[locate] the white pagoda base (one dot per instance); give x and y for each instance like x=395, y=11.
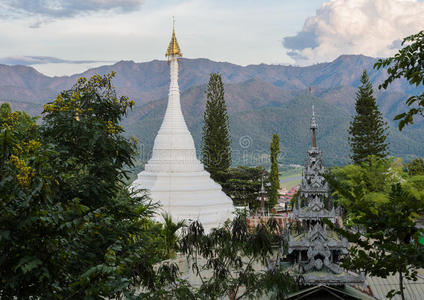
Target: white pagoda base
x=189, y=195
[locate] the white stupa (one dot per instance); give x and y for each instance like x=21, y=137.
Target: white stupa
x=174, y=176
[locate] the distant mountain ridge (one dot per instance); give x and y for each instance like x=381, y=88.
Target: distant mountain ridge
x=149, y=81
x=289, y=118
x=262, y=99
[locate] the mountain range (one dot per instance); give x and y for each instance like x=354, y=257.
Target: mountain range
x=261, y=99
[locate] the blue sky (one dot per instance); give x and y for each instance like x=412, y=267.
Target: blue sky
x=244, y=32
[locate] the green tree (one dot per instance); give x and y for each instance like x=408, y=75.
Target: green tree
x=170, y=230
x=408, y=63
x=242, y=184
x=415, y=167
x=216, y=143
x=83, y=124
x=15, y=127
x=274, y=175
x=113, y=251
x=367, y=130
x=232, y=261
x=382, y=205
x=70, y=227
x=34, y=228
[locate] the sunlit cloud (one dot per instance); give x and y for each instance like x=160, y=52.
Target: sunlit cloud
x=371, y=27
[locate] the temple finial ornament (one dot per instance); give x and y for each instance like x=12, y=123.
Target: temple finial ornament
x=314, y=126
x=173, y=48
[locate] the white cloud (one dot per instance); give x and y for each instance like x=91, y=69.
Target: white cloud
x=46, y=10
x=370, y=27
x=67, y=8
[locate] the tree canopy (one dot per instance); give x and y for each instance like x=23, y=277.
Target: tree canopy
x=415, y=167
x=408, y=63
x=233, y=261
x=382, y=204
x=242, y=184
x=69, y=226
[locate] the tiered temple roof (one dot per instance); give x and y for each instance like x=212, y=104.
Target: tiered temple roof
x=314, y=251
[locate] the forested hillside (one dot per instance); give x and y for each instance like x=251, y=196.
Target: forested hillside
x=262, y=100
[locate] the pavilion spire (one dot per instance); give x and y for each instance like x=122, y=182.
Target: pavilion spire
x=314, y=126
x=315, y=252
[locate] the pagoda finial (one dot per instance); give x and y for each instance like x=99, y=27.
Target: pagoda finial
x=314, y=126
x=173, y=48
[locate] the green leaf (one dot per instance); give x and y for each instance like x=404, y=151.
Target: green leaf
x=28, y=263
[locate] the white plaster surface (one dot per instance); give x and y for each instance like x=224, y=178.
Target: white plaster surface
x=175, y=177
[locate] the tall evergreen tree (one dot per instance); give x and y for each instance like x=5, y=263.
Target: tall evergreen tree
x=367, y=130
x=274, y=176
x=216, y=149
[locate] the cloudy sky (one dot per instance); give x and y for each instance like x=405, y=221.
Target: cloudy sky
x=67, y=36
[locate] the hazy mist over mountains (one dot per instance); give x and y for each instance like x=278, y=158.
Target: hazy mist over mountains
x=262, y=100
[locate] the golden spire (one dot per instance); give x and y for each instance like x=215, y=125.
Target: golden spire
x=173, y=48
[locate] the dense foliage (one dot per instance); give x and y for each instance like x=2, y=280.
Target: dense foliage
x=242, y=184
x=382, y=204
x=232, y=261
x=170, y=233
x=216, y=150
x=367, y=130
x=274, y=176
x=69, y=226
x=408, y=63
x=33, y=226
x=415, y=167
